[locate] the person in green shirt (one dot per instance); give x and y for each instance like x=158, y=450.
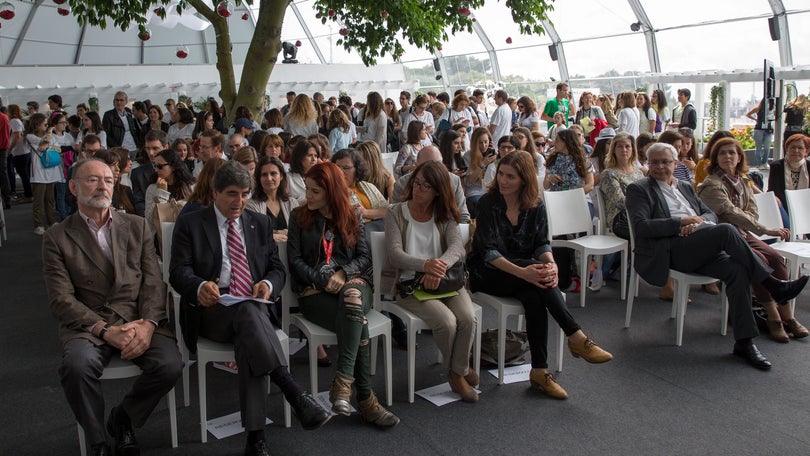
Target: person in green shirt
x=558, y=104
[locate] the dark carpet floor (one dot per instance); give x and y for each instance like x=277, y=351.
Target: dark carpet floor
x=652, y=399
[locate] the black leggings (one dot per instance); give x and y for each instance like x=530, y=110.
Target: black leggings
x=535, y=301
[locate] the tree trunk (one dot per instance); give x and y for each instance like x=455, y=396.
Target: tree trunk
x=261, y=58
x=227, y=80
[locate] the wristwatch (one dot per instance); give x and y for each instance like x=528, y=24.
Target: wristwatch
x=104, y=331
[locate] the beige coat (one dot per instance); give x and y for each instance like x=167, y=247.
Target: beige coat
x=715, y=195
x=83, y=287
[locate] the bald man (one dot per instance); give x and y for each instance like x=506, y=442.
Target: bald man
x=431, y=153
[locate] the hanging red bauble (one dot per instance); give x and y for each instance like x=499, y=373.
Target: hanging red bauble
x=224, y=8
x=439, y=48
x=145, y=34
x=245, y=16
x=509, y=40
x=7, y=11
x=464, y=11
x=59, y=2
x=182, y=52
x=298, y=43
x=331, y=12
x=473, y=19
x=318, y=15
x=63, y=11
x=158, y=11
x=384, y=14
x=344, y=32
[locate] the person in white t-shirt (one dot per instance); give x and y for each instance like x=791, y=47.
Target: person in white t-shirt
x=646, y=113
x=500, y=122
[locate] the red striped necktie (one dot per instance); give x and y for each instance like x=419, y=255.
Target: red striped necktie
x=240, y=272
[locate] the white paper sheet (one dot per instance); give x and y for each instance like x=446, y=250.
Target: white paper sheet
x=228, y=299
x=228, y=425
x=323, y=401
x=440, y=394
x=514, y=374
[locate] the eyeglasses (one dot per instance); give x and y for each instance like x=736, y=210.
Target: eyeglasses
x=95, y=180
x=796, y=149
x=389, y=102
x=539, y=144
x=661, y=162
x=159, y=165
x=422, y=185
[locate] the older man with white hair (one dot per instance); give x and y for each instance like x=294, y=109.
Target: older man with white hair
x=674, y=230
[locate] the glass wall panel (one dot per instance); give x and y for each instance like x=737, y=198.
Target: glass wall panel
x=668, y=14
x=592, y=18
x=728, y=46
x=799, y=26
x=607, y=56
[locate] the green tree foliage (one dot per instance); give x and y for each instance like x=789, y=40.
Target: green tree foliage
x=371, y=28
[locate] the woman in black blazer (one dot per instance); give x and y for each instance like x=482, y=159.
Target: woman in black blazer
x=791, y=172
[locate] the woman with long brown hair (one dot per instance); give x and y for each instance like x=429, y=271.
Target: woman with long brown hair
x=424, y=242
x=329, y=264
x=511, y=256
x=375, y=124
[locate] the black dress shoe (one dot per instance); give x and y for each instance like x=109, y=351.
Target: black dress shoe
x=753, y=356
x=256, y=449
x=101, y=449
x=309, y=413
x=324, y=362
x=783, y=291
x=120, y=428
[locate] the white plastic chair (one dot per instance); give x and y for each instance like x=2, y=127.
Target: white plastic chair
x=413, y=323
x=567, y=213
x=209, y=351
x=507, y=307
x=167, y=230
x=682, y=282
x=118, y=369
x=798, y=201
x=796, y=253
x=378, y=325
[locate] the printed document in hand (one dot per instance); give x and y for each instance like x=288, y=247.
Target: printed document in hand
x=229, y=299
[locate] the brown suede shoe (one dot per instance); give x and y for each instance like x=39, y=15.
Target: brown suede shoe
x=340, y=394
x=472, y=377
x=712, y=289
x=544, y=381
x=777, y=331
x=797, y=329
x=589, y=351
x=460, y=386
x=373, y=412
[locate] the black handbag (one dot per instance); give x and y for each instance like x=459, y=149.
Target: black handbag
x=453, y=280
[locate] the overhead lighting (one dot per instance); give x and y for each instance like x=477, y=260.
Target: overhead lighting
x=635, y=26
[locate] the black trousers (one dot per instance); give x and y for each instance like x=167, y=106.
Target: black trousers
x=535, y=302
x=258, y=352
x=721, y=252
x=82, y=365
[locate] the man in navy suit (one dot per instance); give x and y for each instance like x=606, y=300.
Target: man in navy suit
x=225, y=249
x=670, y=223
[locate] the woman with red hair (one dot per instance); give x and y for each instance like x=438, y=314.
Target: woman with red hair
x=330, y=267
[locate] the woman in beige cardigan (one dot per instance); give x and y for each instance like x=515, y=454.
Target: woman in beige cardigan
x=423, y=242
x=727, y=191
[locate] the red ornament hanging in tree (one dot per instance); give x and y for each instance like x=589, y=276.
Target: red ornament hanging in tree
x=182, y=52
x=59, y=2
x=344, y=32
x=464, y=11
x=7, y=11
x=298, y=43
x=145, y=34
x=224, y=8
x=509, y=40
x=245, y=16
x=384, y=14
x=331, y=13
x=63, y=11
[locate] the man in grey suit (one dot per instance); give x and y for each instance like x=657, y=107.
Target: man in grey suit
x=674, y=230
x=225, y=249
x=105, y=288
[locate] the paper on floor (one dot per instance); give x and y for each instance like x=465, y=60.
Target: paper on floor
x=228, y=425
x=440, y=394
x=514, y=374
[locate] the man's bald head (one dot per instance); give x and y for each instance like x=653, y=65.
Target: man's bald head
x=428, y=153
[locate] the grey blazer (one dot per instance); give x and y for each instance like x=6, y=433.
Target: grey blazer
x=286, y=207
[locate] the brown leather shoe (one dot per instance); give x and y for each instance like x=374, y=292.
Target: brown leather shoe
x=589, y=351
x=797, y=329
x=472, y=377
x=544, y=381
x=340, y=394
x=712, y=289
x=460, y=386
x=373, y=412
x=777, y=331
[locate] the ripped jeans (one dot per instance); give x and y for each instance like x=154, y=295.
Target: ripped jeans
x=345, y=314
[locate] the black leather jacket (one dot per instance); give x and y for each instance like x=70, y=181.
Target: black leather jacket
x=306, y=255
